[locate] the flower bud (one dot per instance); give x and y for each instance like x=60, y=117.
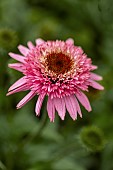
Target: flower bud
x=92, y=138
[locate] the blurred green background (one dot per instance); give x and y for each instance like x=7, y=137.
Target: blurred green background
x=31, y=143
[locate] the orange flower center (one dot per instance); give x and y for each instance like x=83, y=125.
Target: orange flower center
x=59, y=63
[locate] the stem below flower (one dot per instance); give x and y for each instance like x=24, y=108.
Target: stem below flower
x=38, y=131
x=2, y=166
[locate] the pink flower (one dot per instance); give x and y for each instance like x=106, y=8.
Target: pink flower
x=56, y=69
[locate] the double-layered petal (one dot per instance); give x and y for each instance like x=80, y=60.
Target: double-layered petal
x=58, y=70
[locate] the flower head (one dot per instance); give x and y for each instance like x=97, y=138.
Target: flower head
x=56, y=69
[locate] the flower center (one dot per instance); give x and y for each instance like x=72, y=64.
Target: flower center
x=59, y=63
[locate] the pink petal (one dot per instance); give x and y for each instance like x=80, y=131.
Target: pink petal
x=96, y=85
x=27, y=98
x=93, y=67
x=70, y=41
x=78, y=107
x=39, y=104
x=59, y=104
x=71, y=106
x=51, y=109
x=23, y=50
x=84, y=100
x=16, y=66
x=39, y=41
x=18, y=83
x=21, y=88
x=17, y=57
x=30, y=45
x=95, y=77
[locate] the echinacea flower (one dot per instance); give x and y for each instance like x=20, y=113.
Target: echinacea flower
x=56, y=69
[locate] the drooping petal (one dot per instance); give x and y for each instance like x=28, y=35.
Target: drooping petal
x=96, y=85
x=83, y=100
x=39, y=41
x=30, y=45
x=23, y=50
x=39, y=104
x=18, y=83
x=17, y=57
x=59, y=104
x=24, y=87
x=71, y=106
x=26, y=99
x=95, y=77
x=51, y=109
x=93, y=67
x=78, y=107
x=70, y=41
x=16, y=66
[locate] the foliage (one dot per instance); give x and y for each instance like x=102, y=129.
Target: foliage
x=31, y=143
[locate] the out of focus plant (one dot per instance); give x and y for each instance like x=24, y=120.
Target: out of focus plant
x=8, y=38
x=92, y=138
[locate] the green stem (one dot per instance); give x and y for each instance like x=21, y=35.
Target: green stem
x=38, y=131
x=2, y=166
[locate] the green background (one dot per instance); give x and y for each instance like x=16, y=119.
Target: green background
x=31, y=143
